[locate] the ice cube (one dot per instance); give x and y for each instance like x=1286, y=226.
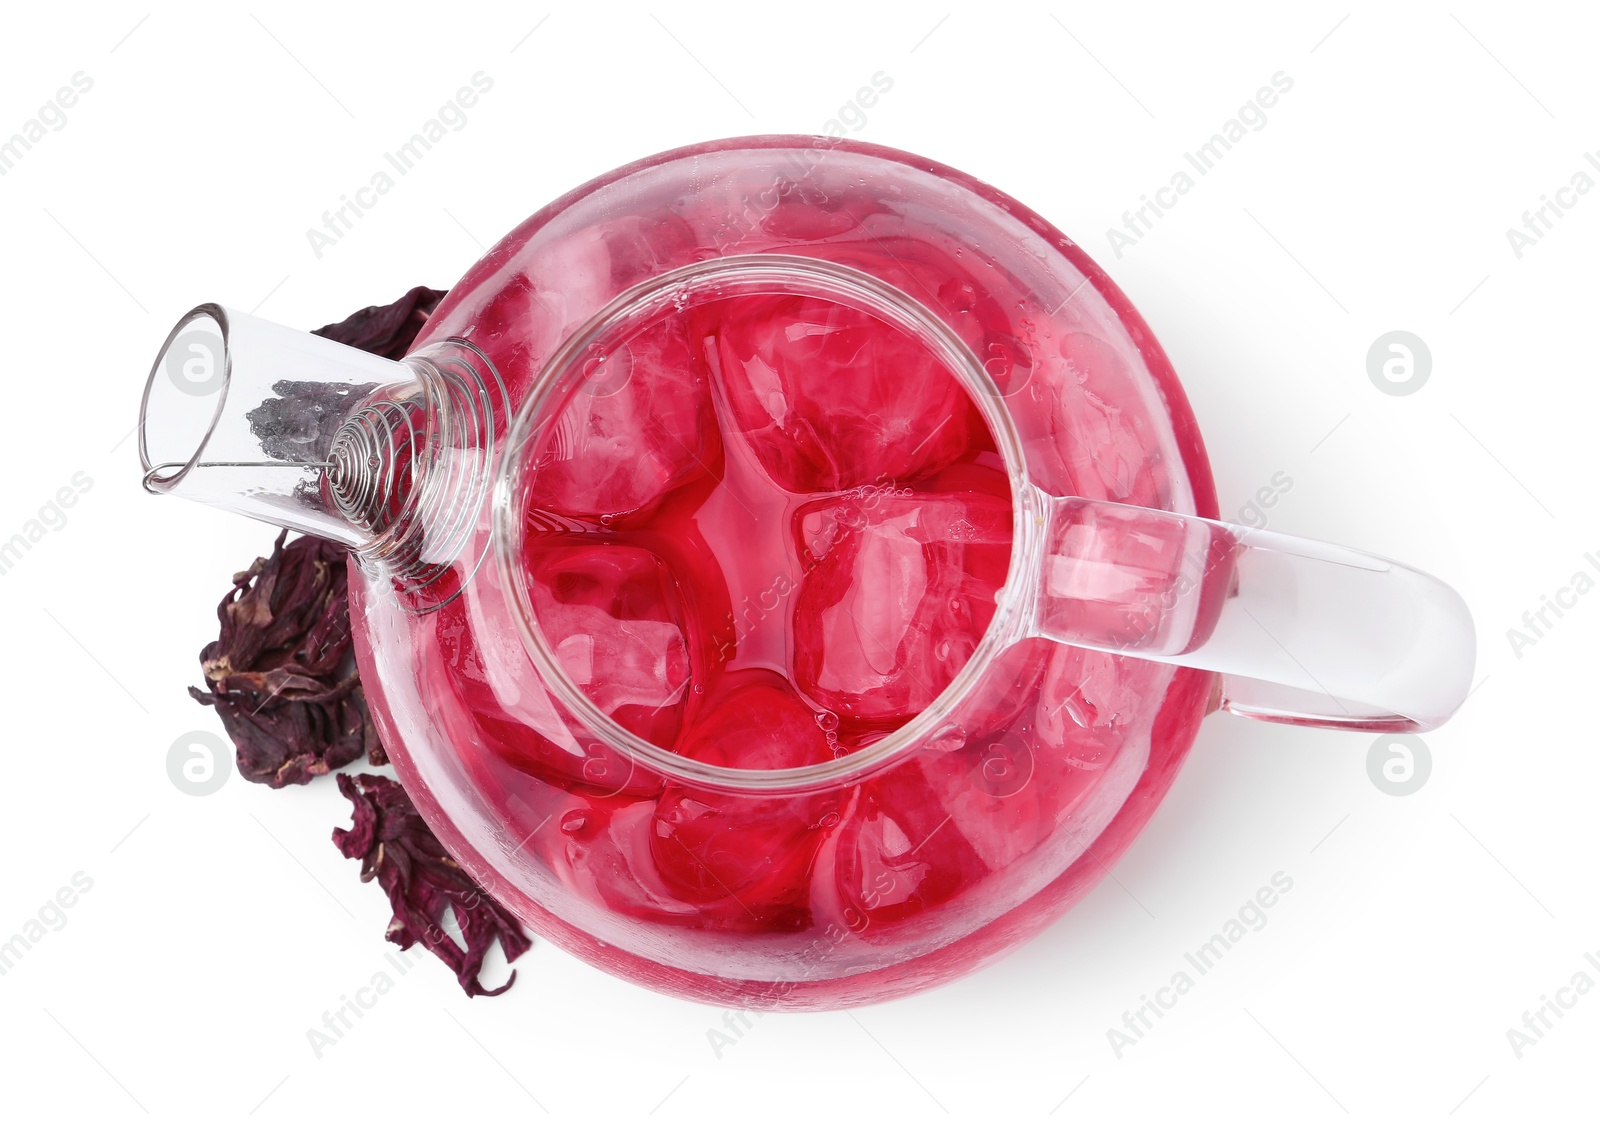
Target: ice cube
x=1098, y=425
x=641, y=424
x=641, y=248
x=612, y=615
x=750, y=854
x=897, y=853
x=898, y=591
x=488, y=704
x=600, y=849
x=829, y=398
x=805, y=213
x=1089, y=698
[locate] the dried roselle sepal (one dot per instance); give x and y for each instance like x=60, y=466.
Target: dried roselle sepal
x=386, y=330
x=282, y=673
x=422, y=881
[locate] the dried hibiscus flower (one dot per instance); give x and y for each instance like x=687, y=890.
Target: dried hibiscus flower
x=281, y=673
x=386, y=330
x=422, y=881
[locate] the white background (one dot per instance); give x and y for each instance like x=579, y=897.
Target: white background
x=1377, y=197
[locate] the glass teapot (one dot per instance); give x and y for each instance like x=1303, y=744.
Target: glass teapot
x=788, y=568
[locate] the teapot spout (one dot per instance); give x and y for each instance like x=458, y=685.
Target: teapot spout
x=389, y=458
x=244, y=414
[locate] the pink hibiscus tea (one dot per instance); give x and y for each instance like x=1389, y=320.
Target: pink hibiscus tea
x=783, y=506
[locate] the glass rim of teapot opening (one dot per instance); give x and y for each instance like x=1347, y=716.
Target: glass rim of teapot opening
x=739, y=276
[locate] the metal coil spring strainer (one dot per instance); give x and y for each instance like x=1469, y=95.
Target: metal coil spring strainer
x=413, y=471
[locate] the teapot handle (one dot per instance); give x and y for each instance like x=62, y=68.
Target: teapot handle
x=1301, y=632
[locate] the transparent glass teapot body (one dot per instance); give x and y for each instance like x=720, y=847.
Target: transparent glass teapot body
x=673, y=726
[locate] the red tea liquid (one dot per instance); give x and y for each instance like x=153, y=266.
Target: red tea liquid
x=770, y=496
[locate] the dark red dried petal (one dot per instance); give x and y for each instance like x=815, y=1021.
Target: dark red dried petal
x=282, y=673
x=386, y=330
x=422, y=881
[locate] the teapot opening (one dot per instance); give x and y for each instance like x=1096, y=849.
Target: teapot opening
x=945, y=430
